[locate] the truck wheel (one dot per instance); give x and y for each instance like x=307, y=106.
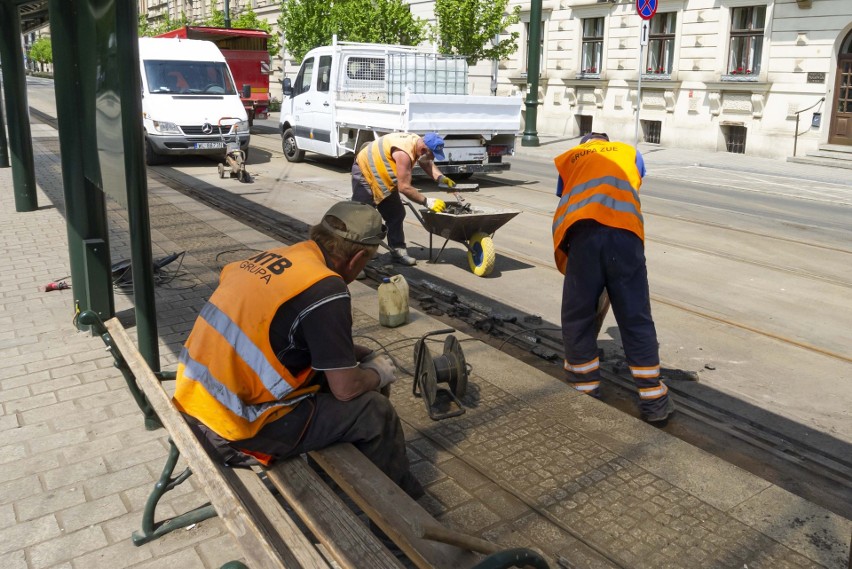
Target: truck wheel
x=151, y=157
x=481, y=255
x=291, y=149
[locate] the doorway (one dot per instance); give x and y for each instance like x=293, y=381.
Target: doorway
x=840, y=131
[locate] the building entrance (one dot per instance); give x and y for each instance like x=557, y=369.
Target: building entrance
x=840, y=131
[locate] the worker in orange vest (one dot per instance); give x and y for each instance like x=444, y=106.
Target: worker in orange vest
x=270, y=369
x=598, y=244
x=383, y=169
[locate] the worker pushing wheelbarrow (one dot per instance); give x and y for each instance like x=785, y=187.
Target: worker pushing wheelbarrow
x=473, y=226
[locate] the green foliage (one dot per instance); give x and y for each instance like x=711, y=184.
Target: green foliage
x=246, y=19
x=149, y=29
x=467, y=27
x=41, y=50
x=307, y=24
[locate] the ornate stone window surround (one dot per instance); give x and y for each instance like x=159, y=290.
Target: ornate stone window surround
x=669, y=88
x=580, y=13
x=580, y=92
x=725, y=24
x=756, y=91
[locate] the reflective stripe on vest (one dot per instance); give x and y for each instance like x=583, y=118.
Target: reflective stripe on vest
x=601, y=183
x=610, y=202
x=377, y=164
x=251, y=413
x=229, y=377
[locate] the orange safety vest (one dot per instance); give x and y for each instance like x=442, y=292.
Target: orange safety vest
x=228, y=376
x=377, y=164
x=601, y=182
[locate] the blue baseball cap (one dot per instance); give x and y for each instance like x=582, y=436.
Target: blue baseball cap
x=594, y=136
x=436, y=144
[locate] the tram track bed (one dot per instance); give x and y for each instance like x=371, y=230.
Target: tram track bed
x=800, y=467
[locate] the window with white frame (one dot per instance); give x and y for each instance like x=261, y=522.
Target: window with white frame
x=746, y=40
x=661, y=43
x=592, y=51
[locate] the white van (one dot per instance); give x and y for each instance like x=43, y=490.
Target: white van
x=187, y=90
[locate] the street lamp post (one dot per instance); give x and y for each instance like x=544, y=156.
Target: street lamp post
x=227, y=14
x=530, y=137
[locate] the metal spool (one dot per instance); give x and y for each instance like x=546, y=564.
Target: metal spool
x=449, y=368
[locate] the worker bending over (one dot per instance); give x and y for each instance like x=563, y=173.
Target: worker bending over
x=598, y=240
x=270, y=369
x=382, y=170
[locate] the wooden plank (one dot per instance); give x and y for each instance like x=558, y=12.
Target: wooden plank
x=390, y=508
x=248, y=525
x=345, y=537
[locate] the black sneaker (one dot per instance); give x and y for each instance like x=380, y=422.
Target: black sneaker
x=661, y=417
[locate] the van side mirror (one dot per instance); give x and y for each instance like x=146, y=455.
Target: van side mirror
x=246, y=91
x=287, y=86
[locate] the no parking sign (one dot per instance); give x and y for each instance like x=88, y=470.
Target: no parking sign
x=646, y=8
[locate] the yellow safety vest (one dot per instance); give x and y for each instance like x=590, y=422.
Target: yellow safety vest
x=228, y=376
x=601, y=182
x=377, y=164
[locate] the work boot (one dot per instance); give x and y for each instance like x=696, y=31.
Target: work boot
x=400, y=255
x=661, y=417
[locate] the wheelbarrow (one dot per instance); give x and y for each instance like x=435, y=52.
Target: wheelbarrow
x=473, y=226
x=234, y=164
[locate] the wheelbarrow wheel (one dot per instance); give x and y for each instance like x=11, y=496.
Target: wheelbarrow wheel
x=481, y=255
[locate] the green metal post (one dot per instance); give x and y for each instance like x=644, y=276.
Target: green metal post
x=85, y=203
x=17, y=111
x=227, y=14
x=137, y=183
x=530, y=137
x=4, y=143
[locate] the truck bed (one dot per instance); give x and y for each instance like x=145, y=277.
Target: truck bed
x=447, y=114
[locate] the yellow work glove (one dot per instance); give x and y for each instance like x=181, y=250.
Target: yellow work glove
x=447, y=182
x=435, y=204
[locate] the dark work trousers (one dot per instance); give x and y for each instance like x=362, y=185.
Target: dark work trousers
x=601, y=257
x=369, y=422
x=390, y=208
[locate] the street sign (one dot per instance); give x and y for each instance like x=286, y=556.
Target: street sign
x=646, y=8
x=644, y=29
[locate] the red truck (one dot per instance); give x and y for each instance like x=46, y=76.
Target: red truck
x=246, y=54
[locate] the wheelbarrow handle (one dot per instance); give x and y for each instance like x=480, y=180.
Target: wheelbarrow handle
x=414, y=211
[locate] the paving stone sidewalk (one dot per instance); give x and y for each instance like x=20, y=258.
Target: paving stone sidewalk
x=530, y=463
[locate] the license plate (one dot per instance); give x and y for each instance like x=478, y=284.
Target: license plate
x=206, y=145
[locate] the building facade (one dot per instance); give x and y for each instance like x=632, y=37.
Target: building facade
x=720, y=75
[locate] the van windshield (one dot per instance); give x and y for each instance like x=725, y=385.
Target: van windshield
x=189, y=77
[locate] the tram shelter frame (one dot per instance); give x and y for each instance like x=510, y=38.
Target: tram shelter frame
x=98, y=99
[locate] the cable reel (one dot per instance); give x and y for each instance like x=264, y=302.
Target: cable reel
x=449, y=368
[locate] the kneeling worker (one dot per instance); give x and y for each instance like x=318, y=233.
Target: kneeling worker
x=270, y=368
x=382, y=170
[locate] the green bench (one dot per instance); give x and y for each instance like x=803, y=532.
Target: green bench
x=249, y=500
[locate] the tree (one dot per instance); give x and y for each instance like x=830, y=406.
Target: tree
x=247, y=20
x=41, y=50
x=307, y=24
x=161, y=25
x=467, y=27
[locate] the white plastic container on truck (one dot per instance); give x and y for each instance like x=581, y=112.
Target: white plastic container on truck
x=186, y=89
x=347, y=94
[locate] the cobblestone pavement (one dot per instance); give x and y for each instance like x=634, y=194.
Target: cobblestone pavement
x=529, y=463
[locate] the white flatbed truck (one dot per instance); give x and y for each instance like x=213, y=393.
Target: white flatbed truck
x=348, y=93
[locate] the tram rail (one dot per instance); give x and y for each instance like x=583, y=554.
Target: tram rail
x=810, y=467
